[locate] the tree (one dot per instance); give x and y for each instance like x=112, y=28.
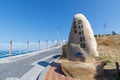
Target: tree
x=114, y=33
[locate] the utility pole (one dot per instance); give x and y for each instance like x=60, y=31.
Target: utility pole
x=105, y=26
x=58, y=29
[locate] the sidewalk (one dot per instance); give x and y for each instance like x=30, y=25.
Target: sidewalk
x=27, y=66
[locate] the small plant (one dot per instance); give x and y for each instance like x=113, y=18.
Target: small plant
x=95, y=35
x=64, y=51
x=100, y=58
x=99, y=35
x=108, y=61
x=114, y=33
x=119, y=43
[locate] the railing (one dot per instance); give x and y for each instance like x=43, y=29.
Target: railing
x=18, y=48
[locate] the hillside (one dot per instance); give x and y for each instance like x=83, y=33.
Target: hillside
x=109, y=49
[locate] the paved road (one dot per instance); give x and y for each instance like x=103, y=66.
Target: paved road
x=17, y=69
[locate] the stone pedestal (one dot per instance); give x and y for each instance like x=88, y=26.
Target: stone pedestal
x=83, y=71
x=81, y=52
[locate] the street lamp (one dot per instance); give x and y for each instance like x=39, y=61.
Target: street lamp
x=58, y=29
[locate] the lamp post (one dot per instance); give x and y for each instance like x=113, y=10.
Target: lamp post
x=58, y=29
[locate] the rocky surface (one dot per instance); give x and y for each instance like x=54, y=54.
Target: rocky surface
x=83, y=71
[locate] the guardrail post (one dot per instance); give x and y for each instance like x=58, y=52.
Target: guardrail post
x=62, y=42
x=52, y=43
x=27, y=49
x=39, y=45
x=66, y=41
x=57, y=42
x=10, y=48
x=47, y=44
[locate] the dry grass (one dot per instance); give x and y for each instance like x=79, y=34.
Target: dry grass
x=110, y=54
x=108, y=48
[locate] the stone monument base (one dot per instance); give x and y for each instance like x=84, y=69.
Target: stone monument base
x=83, y=70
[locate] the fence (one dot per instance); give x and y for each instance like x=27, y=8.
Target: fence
x=17, y=48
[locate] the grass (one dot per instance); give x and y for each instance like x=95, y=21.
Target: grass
x=64, y=51
x=108, y=48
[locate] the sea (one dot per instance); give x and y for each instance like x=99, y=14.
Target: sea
x=4, y=54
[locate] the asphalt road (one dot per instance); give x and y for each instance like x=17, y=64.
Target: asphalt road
x=19, y=67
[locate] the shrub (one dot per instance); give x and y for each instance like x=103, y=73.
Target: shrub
x=114, y=33
x=99, y=35
x=95, y=35
x=64, y=51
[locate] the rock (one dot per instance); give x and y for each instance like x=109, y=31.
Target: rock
x=81, y=40
x=83, y=71
x=76, y=49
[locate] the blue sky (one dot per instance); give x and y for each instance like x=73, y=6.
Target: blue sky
x=33, y=20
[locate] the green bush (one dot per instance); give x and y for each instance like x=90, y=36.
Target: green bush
x=95, y=35
x=117, y=76
x=64, y=51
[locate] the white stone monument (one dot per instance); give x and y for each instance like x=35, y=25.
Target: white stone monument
x=82, y=43
x=82, y=49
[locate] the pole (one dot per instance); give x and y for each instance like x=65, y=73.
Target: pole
x=10, y=48
x=65, y=41
x=62, y=42
x=117, y=67
x=52, y=43
x=20, y=48
x=58, y=29
x=27, y=46
x=47, y=44
x=39, y=45
x=57, y=42
x=104, y=26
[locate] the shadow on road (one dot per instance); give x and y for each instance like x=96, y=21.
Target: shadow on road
x=56, y=56
x=43, y=63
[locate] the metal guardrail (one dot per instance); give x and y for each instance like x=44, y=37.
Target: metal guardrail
x=18, y=48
